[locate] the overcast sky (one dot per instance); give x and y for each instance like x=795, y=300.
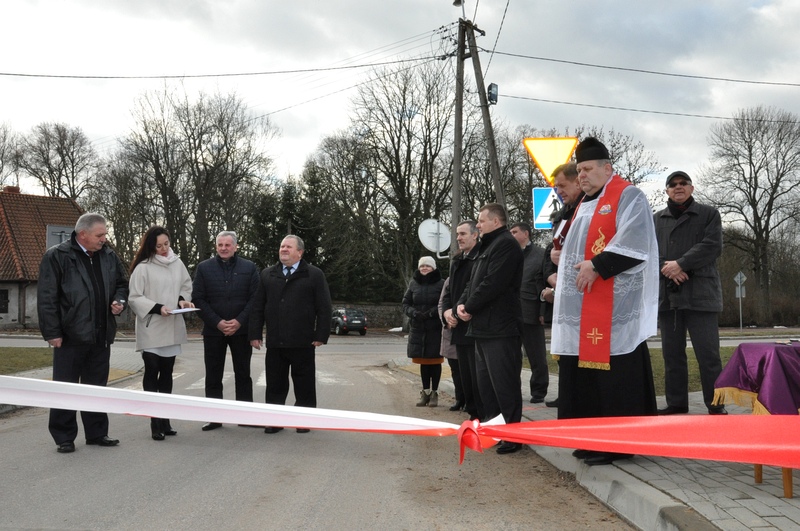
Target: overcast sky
x=733, y=39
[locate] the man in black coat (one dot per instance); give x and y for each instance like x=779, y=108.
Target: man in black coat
x=565, y=181
x=491, y=304
x=460, y=268
x=533, y=340
x=294, y=300
x=82, y=287
x=224, y=288
x=690, y=293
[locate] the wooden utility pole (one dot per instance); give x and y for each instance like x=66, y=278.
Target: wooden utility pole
x=466, y=33
x=458, y=148
x=494, y=163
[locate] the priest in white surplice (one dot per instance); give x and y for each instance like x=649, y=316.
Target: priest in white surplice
x=606, y=303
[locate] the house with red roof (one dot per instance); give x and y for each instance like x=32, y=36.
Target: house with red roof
x=29, y=225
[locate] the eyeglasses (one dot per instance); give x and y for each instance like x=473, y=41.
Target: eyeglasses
x=679, y=183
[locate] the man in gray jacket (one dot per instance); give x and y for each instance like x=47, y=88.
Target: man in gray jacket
x=690, y=294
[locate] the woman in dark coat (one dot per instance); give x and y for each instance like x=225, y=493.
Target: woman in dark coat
x=420, y=304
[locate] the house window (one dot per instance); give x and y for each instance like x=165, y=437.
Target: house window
x=3, y=301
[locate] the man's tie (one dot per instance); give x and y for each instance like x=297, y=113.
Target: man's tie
x=287, y=271
x=90, y=253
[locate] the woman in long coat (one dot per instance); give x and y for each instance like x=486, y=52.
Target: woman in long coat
x=420, y=304
x=159, y=284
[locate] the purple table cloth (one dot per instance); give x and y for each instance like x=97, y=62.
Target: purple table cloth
x=769, y=373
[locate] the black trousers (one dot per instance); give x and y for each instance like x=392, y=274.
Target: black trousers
x=300, y=363
x=499, y=365
x=469, y=380
x=533, y=342
x=455, y=371
x=214, y=350
x=624, y=391
x=86, y=365
x=703, y=328
x=157, y=372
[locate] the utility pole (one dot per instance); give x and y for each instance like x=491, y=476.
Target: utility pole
x=494, y=163
x=458, y=150
x=466, y=35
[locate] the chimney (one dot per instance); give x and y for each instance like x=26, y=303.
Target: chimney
x=11, y=189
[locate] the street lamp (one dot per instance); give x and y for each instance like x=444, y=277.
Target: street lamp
x=463, y=11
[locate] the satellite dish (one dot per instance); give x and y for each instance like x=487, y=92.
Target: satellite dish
x=435, y=236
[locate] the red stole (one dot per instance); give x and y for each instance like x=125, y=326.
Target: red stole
x=594, y=350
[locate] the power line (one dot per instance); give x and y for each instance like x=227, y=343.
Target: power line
x=642, y=71
x=349, y=87
x=644, y=111
x=234, y=74
x=609, y=107
x=497, y=38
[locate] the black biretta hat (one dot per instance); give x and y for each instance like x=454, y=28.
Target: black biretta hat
x=591, y=149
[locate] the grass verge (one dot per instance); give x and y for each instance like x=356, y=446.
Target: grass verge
x=657, y=361
x=17, y=359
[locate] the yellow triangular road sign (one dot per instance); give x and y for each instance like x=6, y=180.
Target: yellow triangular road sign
x=550, y=153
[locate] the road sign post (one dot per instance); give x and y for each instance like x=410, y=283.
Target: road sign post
x=739, y=279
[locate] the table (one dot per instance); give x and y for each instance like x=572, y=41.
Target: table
x=766, y=378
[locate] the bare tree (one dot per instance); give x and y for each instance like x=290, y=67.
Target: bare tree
x=200, y=162
x=222, y=149
x=153, y=147
x=8, y=148
x=123, y=195
x=59, y=157
x=628, y=156
x=342, y=182
x=405, y=119
x=754, y=180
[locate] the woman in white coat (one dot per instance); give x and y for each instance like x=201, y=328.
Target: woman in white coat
x=159, y=283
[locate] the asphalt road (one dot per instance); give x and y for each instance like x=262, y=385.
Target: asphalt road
x=242, y=478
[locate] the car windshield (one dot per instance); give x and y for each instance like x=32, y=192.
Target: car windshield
x=355, y=314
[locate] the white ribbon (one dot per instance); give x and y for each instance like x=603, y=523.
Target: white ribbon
x=63, y=395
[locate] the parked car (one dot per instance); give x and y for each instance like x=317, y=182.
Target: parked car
x=345, y=320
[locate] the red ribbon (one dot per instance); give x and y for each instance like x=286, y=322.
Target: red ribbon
x=763, y=439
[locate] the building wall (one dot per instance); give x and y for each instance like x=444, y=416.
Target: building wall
x=12, y=318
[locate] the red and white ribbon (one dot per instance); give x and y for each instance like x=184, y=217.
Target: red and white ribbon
x=764, y=439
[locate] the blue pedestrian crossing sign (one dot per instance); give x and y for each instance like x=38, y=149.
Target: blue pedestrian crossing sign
x=545, y=203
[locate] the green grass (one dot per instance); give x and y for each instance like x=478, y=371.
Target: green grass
x=16, y=359
x=657, y=362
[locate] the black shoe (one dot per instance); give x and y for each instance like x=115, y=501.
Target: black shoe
x=537, y=399
x=552, y=403
x=718, y=411
x=673, y=410
x=458, y=406
x=66, y=447
x=208, y=426
x=158, y=436
x=583, y=454
x=272, y=429
x=166, y=428
x=105, y=440
x=506, y=447
x=605, y=458
x=303, y=430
